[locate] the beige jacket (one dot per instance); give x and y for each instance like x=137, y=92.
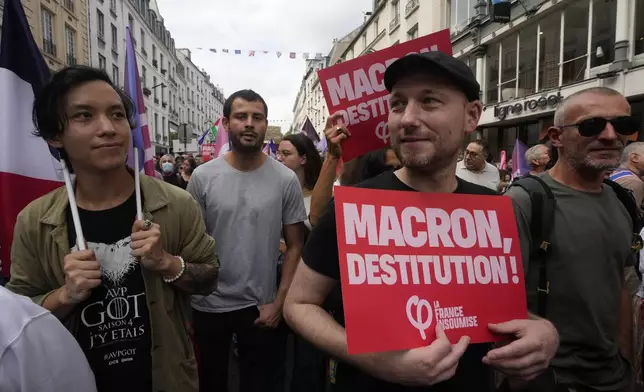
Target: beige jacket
x=41, y=243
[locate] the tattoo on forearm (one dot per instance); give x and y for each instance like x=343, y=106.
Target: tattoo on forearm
x=198, y=279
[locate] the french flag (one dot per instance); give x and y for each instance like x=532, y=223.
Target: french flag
x=27, y=168
x=141, y=133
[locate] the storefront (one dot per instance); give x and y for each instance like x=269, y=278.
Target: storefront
x=529, y=118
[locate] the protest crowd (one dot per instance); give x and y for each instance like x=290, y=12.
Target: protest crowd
x=229, y=273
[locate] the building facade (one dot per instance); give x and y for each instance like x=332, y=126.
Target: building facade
x=548, y=51
x=394, y=21
x=162, y=68
x=310, y=102
x=202, y=101
x=60, y=29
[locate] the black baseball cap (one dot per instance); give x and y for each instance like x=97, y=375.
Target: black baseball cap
x=456, y=70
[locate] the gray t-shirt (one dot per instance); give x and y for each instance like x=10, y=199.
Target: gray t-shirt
x=244, y=213
x=590, y=245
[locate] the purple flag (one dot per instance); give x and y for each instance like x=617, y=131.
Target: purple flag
x=519, y=165
x=309, y=130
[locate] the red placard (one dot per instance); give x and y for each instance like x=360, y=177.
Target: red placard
x=409, y=260
x=207, y=152
x=356, y=89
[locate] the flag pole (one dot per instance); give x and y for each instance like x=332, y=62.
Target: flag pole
x=80, y=239
x=137, y=185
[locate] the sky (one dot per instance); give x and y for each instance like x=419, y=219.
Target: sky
x=274, y=25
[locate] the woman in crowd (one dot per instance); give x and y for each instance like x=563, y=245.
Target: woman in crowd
x=187, y=167
x=298, y=153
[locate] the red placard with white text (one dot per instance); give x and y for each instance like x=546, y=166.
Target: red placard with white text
x=207, y=152
x=410, y=260
x=356, y=89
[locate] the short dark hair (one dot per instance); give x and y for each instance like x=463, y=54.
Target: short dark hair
x=313, y=165
x=48, y=113
x=246, y=95
x=484, y=146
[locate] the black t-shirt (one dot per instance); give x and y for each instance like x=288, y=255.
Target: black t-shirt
x=321, y=255
x=114, y=327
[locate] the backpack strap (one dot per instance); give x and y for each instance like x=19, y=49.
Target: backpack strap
x=543, y=204
x=627, y=199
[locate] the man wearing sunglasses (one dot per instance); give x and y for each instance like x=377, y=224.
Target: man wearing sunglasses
x=590, y=242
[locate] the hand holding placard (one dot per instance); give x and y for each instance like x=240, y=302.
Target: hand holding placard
x=422, y=366
x=335, y=133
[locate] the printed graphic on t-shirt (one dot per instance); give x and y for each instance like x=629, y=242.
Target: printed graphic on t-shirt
x=113, y=319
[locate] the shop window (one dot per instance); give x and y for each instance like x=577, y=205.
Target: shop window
x=638, y=43
x=575, y=51
x=603, y=31
x=492, y=72
x=471, y=62
x=527, y=60
x=549, y=35
x=508, y=68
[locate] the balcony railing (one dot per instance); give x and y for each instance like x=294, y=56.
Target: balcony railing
x=69, y=4
x=115, y=49
x=144, y=53
x=395, y=22
x=49, y=47
x=411, y=6
x=101, y=36
x=71, y=60
x=155, y=63
x=113, y=10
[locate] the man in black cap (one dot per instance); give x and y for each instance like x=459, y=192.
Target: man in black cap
x=434, y=103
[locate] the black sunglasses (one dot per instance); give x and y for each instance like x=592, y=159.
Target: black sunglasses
x=625, y=125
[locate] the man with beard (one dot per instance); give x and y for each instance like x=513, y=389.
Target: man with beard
x=434, y=104
x=591, y=234
x=247, y=200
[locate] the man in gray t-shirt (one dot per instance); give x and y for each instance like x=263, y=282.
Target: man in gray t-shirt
x=590, y=243
x=247, y=200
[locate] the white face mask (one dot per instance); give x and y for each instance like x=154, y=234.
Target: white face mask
x=167, y=167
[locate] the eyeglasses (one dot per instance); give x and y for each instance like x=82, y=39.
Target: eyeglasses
x=625, y=125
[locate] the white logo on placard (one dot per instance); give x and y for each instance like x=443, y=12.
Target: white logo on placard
x=382, y=132
x=416, y=320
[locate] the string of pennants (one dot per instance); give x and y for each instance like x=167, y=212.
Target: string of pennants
x=253, y=53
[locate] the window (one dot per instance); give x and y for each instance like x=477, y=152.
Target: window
x=161, y=60
x=154, y=83
x=115, y=74
x=156, y=124
x=144, y=76
x=102, y=63
x=70, y=45
x=412, y=33
x=100, y=21
x=462, y=11
x=638, y=43
x=549, y=36
x=163, y=125
x=376, y=27
x=115, y=39
x=492, y=72
x=527, y=60
x=48, y=32
x=113, y=6
x=154, y=53
x=603, y=32
x=364, y=40
x=575, y=50
x=130, y=22
x=395, y=15
x=508, y=68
